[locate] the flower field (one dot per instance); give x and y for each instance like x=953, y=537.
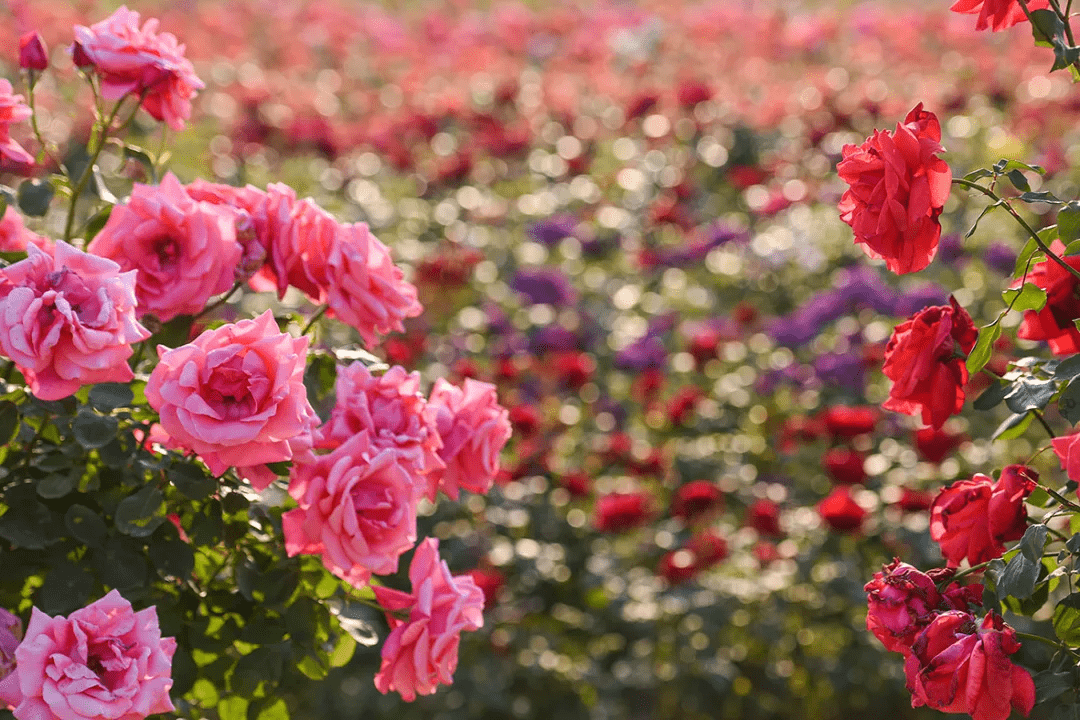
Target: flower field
x=653, y=360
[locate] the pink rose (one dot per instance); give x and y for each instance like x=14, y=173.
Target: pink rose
x=14, y=237
x=185, y=251
x=357, y=510
x=245, y=203
x=12, y=111
x=365, y=289
x=130, y=59
x=299, y=237
x=422, y=652
x=103, y=661
x=394, y=414
x=67, y=319
x=473, y=427
x=10, y=637
x=957, y=666
x=235, y=396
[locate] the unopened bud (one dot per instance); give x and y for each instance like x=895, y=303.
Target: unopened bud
x=33, y=55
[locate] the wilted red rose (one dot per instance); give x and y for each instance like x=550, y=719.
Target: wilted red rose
x=958, y=666
x=901, y=602
x=898, y=188
x=974, y=518
x=922, y=361
x=845, y=465
x=840, y=512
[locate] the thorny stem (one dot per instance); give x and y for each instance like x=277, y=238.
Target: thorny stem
x=1023, y=223
x=1061, y=498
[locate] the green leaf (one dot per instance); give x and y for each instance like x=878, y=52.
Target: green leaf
x=1069, y=402
x=86, y=526
x=1013, y=426
x=35, y=196
x=313, y=667
x=30, y=525
x=1046, y=26
x=1019, y=578
x=1067, y=620
x=1033, y=542
x=233, y=707
x=9, y=421
x=57, y=485
x=1016, y=177
x=173, y=557
x=1049, y=685
x=978, y=175
x=1068, y=368
x=1028, y=297
x=1068, y=222
x=96, y=222
x=992, y=396
x=140, y=513
x=67, y=587
x=268, y=709
x=120, y=565
x=1040, y=196
x=1028, y=393
x=94, y=431
x=984, y=347
x=985, y=211
x=192, y=481
x=107, y=397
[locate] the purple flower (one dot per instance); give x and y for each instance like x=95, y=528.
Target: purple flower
x=548, y=286
x=843, y=370
x=553, y=229
x=1000, y=257
x=644, y=354
x=553, y=338
x=951, y=249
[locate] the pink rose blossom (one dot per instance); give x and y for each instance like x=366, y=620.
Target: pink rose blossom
x=473, y=428
x=235, y=396
x=393, y=412
x=10, y=637
x=14, y=237
x=245, y=203
x=67, y=319
x=130, y=59
x=357, y=510
x=299, y=237
x=185, y=251
x=422, y=652
x=103, y=661
x=365, y=288
x=12, y=111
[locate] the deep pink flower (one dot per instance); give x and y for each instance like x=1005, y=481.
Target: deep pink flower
x=246, y=205
x=33, y=54
x=14, y=237
x=357, y=509
x=394, y=414
x=473, y=427
x=10, y=637
x=901, y=602
x=130, y=59
x=421, y=653
x=898, y=188
x=958, y=666
x=365, y=289
x=617, y=512
x=997, y=14
x=12, y=111
x=235, y=396
x=185, y=251
x=104, y=662
x=67, y=319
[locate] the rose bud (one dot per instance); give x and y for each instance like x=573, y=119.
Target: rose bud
x=33, y=54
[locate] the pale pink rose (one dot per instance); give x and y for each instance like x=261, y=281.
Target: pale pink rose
x=67, y=319
x=473, y=427
x=185, y=251
x=14, y=237
x=365, y=289
x=357, y=510
x=392, y=411
x=235, y=396
x=130, y=59
x=12, y=111
x=246, y=203
x=103, y=661
x=421, y=653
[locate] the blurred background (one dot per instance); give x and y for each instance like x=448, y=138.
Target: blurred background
x=624, y=215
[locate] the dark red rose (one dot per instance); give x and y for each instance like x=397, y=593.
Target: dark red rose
x=696, y=499
x=845, y=465
x=840, y=512
x=764, y=516
x=848, y=422
x=1055, y=322
x=621, y=511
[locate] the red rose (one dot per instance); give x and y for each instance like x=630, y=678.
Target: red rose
x=901, y=602
x=1054, y=323
x=708, y=547
x=525, y=419
x=490, y=582
x=915, y=500
x=898, y=187
x=696, y=499
x=840, y=512
x=576, y=483
x=933, y=444
x=845, y=465
x=621, y=511
x=847, y=422
x=764, y=516
x=974, y=518
x=928, y=376
x=682, y=405
x=677, y=566
x=956, y=666
x=997, y=14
